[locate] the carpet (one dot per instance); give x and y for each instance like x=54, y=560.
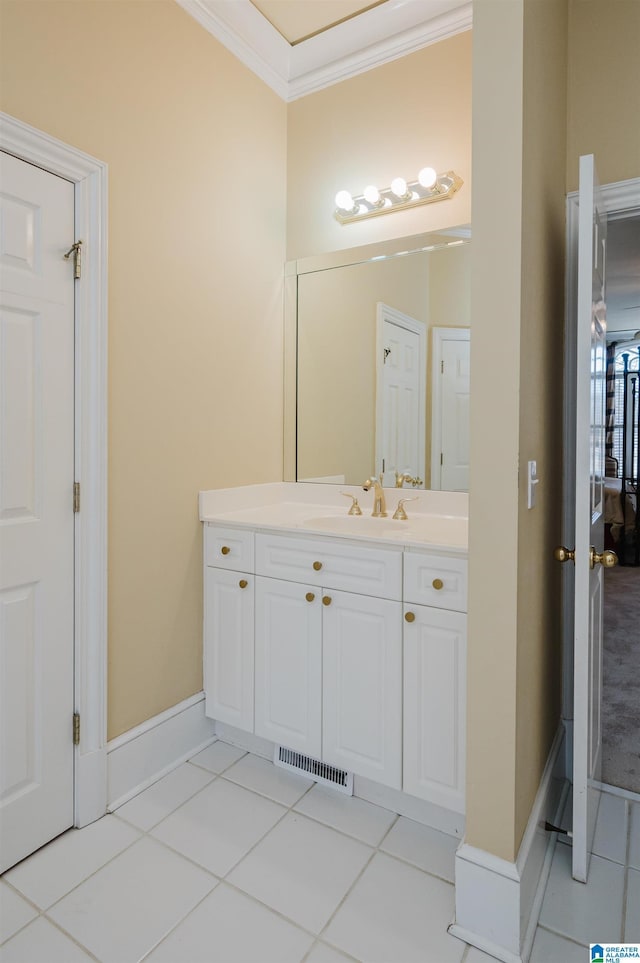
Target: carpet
x=621, y=678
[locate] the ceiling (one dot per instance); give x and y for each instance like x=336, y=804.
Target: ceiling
x=300, y=46
x=297, y=20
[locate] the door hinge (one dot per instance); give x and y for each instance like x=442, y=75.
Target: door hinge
x=76, y=497
x=76, y=251
x=76, y=728
x=442, y=458
x=442, y=367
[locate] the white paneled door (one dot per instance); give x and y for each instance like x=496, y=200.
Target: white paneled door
x=450, y=409
x=36, y=507
x=589, y=520
x=400, y=395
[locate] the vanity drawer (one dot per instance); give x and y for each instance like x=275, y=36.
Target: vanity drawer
x=229, y=548
x=326, y=563
x=435, y=580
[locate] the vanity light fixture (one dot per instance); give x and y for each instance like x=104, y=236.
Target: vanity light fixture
x=398, y=197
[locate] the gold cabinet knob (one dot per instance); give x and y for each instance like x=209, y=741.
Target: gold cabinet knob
x=326, y=600
x=409, y=617
x=309, y=596
x=437, y=584
x=317, y=566
x=225, y=549
x=562, y=554
x=243, y=583
x=607, y=558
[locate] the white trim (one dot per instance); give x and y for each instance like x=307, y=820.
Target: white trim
x=90, y=178
x=498, y=902
x=379, y=35
x=394, y=800
x=141, y=756
x=440, y=334
x=617, y=791
x=386, y=313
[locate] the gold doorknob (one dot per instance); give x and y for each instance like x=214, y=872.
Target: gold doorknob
x=243, y=583
x=309, y=596
x=225, y=549
x=410, y=617
x=607, y=558
x=562, y=554
x=438, y=584
x=326, y=600
x=317, y=566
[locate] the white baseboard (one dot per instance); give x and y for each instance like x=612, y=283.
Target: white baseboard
x=141, y=756
x=419, y=810
x=498, y=902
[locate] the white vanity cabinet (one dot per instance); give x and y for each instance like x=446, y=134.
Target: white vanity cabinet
x=324, y=645
x=352, y=653
x=228, y=626
x=435, y=601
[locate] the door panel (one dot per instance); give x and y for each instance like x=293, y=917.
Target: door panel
x=36, y=508
x=400, y=401
x=362, y=686
x=589, y=520
x=289, y=665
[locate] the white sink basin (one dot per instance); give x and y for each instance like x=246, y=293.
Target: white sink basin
x=431, y=529
x=356, y=525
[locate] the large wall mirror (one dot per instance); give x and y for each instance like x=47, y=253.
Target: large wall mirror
x=377, y=363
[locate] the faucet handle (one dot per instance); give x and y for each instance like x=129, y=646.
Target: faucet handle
x=400, y=512
x=355, y=508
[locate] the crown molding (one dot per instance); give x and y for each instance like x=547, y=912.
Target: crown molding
x=377, y=36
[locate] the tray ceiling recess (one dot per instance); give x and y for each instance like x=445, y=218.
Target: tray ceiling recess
x=335, y=51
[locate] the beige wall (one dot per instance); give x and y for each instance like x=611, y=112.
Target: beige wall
x=539, y=667
x=517, y=291
x=386, y=122
x=195, y=352
x=604, y=88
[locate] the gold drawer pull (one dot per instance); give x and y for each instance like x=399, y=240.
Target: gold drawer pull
x=326, y=600
x=243, y=583
x=309, y=596
x=437, y=584
x=225, y=549
x=317, y=566
x=409, y=617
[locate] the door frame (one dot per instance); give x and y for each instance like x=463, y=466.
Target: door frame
x=385, y=312
x=89, y=177
x=619, y=198
x=440, y=334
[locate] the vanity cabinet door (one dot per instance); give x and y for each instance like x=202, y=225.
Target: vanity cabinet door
x=289, y=664
x=434, y=705
x=362, y=685
x=228, y=647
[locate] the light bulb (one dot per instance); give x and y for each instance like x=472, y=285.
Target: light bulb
x=399, y=186
x=427, y=177
x=372, y=194
x=344, y=201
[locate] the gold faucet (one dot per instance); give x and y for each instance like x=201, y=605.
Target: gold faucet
x=379, y=504
x=402, y=477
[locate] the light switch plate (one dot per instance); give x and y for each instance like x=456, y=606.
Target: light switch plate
x=532, y=481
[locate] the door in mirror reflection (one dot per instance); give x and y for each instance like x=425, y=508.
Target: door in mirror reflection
x=450, y=407
x=400, y=396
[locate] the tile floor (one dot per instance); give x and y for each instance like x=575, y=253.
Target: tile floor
x=229, y=859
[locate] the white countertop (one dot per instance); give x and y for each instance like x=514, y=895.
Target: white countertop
x=437, y=520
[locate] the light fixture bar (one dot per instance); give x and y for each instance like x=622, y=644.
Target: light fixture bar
x=364, y=205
